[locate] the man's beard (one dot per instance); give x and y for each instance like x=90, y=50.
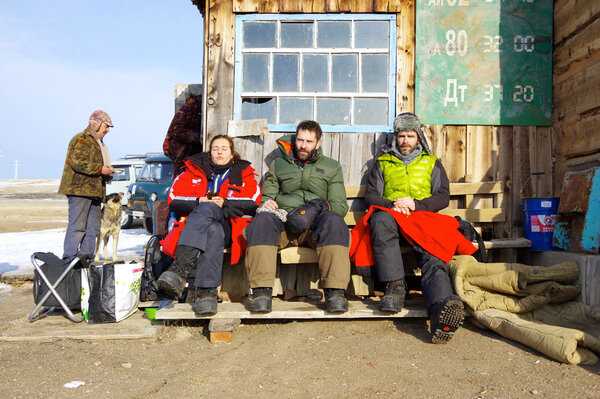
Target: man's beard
x=308, y=156
x=409, y=151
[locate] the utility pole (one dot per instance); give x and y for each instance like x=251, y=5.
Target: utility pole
x=16, y=169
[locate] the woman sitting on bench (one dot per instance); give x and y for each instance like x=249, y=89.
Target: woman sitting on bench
x=214, y=191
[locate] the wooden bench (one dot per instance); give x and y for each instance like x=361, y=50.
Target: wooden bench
x=464, y=197
x=480, y=203
x=297, y=269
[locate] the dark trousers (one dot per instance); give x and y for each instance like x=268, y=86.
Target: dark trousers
x=329, y=236
x=207, y=231
x=83, y=226
x=386, y=240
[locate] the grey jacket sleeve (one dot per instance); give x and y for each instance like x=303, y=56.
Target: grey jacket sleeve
x=440, y=191
x=374, y=194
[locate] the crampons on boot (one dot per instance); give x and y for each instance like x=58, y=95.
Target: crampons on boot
x=446, y=319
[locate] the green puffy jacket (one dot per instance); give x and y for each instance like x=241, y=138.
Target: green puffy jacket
x=291, y=184
x=82, y=172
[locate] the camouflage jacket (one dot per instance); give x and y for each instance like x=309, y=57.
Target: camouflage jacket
x=82, y=172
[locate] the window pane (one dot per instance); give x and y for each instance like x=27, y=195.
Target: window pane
x=297, y=34
x=259, y=34
x=344, y=71
x=295, y=110
x=314, y=73
x=333, y=111
x=285, y=72
x=371, y=34
x=259, y=108
x=256, y=71
x=370, y=111
x=375, y=73
x=334, y=34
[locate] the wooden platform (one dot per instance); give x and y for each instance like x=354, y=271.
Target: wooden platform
x=296, y=310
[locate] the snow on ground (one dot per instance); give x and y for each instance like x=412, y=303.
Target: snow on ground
x=29, y=182
x=17, y=248
x=5, y=288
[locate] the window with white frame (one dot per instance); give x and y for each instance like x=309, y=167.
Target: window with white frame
x=336, y=69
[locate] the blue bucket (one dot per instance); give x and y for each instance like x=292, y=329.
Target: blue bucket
x=539, y=218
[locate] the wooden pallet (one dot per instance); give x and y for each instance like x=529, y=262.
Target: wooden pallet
x=230, y=314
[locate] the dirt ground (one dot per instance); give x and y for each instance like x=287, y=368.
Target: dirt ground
x=318, y=359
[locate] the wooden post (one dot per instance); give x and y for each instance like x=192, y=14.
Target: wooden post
x=219, y=84
x=405, y=87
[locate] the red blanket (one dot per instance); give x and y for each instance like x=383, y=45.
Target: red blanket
x=435, y=233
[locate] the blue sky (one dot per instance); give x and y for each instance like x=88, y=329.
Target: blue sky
x=60, y=60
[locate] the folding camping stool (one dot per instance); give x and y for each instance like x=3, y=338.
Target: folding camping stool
x=38, y=260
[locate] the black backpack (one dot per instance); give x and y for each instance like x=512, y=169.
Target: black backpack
x=155, y=262
x=467, y=230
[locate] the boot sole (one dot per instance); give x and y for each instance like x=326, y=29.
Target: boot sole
x=201, y=310
x=169, y=288
x=451, y=318
x=389, y=308
x=338, y=306
x=257, y=306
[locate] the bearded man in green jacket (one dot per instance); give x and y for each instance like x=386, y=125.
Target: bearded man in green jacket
x=303, y=203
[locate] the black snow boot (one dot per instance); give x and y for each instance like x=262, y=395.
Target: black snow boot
x=446, y=317
x=335, y=300
x=393, y=298
x=262, y=300
x=172, y=282
x=206, y=302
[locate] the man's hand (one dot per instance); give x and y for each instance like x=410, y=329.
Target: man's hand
x=107, y=171
x=402, y=209
x=405, y=202
x=404, y=205
x=270, y=204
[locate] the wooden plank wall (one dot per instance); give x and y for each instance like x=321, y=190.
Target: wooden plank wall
x=469, y=153
x=576, y=82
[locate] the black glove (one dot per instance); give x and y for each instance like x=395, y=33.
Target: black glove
x=303, y=217
x=229, y=209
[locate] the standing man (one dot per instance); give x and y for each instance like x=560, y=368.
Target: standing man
x=407, y=178
x=87, y=169
x=303, y=203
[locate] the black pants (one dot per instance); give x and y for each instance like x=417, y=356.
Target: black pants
x=386, y=240
x=207, y=230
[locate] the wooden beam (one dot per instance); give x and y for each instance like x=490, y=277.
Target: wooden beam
x=577, y=53
x=493, y=187
x=405, y=62
x=220, y=44
x=291, y=310
x=571, y=16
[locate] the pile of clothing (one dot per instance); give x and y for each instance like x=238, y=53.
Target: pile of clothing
x=532, y=305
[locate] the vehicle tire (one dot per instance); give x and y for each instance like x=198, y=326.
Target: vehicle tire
x=148, y=225
x=126, y=220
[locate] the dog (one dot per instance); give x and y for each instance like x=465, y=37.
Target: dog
x=111, y=225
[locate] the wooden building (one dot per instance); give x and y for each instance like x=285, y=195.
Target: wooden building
x=529, y=160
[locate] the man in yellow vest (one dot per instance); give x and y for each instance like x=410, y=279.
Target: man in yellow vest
x=407, y=178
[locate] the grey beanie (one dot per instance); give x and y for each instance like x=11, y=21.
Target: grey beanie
x=408, y=121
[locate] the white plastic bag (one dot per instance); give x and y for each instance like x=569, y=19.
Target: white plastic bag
x=110, y=292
